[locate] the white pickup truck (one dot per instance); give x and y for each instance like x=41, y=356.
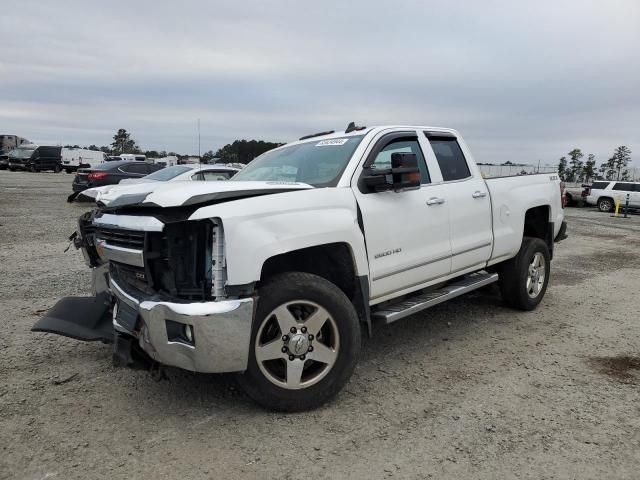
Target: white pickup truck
x=276, y=273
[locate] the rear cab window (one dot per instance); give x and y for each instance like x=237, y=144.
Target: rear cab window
x=453, y=165
x=599, y=185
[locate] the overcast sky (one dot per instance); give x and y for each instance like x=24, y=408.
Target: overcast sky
x=522, y=81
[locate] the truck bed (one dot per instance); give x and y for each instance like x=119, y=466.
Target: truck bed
x=511, y=197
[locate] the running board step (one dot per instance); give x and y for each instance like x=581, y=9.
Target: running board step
x=417, y=303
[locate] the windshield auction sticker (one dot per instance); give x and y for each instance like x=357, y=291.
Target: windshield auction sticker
x=332, y=142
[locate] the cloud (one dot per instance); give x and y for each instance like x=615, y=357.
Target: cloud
x=522, y=81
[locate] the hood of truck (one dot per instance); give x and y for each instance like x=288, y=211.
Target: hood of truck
x=177, y=194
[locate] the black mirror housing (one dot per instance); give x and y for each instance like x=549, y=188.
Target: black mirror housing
x=405, y=171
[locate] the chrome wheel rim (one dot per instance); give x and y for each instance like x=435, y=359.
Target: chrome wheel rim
x=605, y=205
x=536, y=275
x=297, y=344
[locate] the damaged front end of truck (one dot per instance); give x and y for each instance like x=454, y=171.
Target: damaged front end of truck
x=158, y=288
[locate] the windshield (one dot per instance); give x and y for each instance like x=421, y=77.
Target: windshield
x=167, y=173
x=319, y=162
x=21, y=153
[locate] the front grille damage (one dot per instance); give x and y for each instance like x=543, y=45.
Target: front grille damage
x=178, y=263
x=122, y=238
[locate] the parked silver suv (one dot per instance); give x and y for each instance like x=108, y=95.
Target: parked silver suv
x=604, y=194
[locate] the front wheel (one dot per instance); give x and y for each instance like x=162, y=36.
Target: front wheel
x=305, y=343
x=33, y=169
x=524, y=278
x=57, y=168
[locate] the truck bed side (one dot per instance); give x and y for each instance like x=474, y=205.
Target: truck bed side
x=511, y=198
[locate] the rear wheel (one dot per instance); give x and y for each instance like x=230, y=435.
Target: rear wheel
x=305, y=343
x=524, y=279
x=57, y=168
x=605, y=204
x=68, y=170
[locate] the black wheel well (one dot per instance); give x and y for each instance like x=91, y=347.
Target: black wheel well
x=333, y=262
x=537, y=223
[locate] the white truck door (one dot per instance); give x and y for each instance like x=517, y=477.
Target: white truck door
x=406, y=233
x=469, y=203
x=620, y=191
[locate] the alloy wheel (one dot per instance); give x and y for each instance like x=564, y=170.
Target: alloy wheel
x=297, y=344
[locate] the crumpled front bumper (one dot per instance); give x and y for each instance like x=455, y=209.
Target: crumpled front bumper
x=221, y=331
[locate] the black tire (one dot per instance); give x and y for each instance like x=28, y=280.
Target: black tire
x=57, y=168
x=33, y=169
x=12, y=169
x=568, y=200
x=68, y=170
x=606, y=204
x=514, y=274
x=292, y=287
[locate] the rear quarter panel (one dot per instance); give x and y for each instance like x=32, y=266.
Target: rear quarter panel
x=511, y=197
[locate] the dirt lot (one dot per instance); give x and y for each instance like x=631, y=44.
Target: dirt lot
x=469, y=389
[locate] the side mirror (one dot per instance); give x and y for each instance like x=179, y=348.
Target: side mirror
x=404, y=174
x=405, y=171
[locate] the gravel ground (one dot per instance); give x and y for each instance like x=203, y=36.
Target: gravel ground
x=469, y=389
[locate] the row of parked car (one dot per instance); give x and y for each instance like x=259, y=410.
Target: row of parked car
x=604, y=195
x=95, y=181
x=38, y=158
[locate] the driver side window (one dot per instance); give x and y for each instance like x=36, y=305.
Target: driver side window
x=383, y=159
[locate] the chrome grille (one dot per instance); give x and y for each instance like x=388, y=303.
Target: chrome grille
x=122, y=238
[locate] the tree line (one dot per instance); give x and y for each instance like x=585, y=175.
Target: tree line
x=240, y=151
x=577, y=170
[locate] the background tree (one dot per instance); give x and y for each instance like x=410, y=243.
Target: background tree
x=621, y=158
x=575, y=165
x=608, y=169
x=123, y=143
x=207, y=156
x=589, y=167
x=243, y=151
x=562, y=168
x=95, y=148
x=105, y=149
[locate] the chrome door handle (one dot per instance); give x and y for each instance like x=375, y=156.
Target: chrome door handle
x=435, y=201
x=479, y=194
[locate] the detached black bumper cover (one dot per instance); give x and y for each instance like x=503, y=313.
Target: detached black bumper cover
x=81, y=318
x=562, y=234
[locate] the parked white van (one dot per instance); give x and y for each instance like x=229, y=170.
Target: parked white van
x=74, y=158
